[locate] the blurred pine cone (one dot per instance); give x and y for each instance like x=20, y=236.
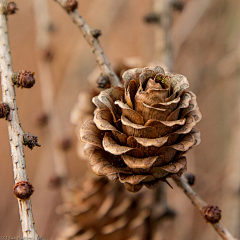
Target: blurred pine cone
x=82, y=110
x=103, y=210
x=140, y=132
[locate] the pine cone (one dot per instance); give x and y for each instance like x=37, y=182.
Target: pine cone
x=140, y=132
x=98, y=210
x=83, y=109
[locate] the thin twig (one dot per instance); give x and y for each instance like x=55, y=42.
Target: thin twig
x=97, y=50
x=200, y=205
x=14, y=128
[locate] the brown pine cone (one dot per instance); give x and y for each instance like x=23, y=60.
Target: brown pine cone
x=83, y=109
x=140, y=132
x=102, y=210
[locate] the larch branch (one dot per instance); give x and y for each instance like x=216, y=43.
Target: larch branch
x=200, y=205
x=14, y=127
x=47, y=89
x=97, y=50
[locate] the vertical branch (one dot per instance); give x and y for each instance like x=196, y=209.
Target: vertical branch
x=163, y=42
x=14, y=127
x=47, y=88
x=92, y=40
x=162, y=16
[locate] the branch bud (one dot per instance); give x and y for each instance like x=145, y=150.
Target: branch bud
x=23, y=190
x=65, y=143
x=55, y=182
x=152, y=17
x=4, y=110
x=212, y=213
x=41, y=119
x=30, y=140
x=71, y=5
x=23, y=79
x=103, y=81
x=9, y=8
x=178, y=5
x=96, y=32
x=190, y=178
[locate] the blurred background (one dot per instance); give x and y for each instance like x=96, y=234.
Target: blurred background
x=206, y=50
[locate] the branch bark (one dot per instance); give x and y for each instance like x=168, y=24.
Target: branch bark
x=14, y=127
x=97, y=50
x=200, y=205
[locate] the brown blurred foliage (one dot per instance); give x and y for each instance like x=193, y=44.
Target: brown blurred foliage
x=206, y=43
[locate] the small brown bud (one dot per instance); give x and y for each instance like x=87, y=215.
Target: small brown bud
x=11, y=8
x=152, y=18
x=178, y=5
x=103, y=81
x=96, y=33
x=71, y=5
x=54, y=182
x=212, y=213
x=30, y=140
x=41, y=119
x=65, y=143
x=47, y=55
x=23, y=190
x=4, y=110
x=190, y=178
x=24, y=79
x=169, y=213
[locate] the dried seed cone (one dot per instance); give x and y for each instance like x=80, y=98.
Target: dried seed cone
x=98, y=210
x=11, y=8
x=24, y=79
x=140, y=132
x=4, y=110
x=83, y=109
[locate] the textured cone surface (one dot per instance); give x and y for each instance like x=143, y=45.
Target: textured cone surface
x=83, y=109
x=140, y=132
x=100, y=210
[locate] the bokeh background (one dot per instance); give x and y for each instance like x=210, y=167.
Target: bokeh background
x=206, y=50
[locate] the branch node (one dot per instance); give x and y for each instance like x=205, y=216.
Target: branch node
x=96, y=33
x=71, y=5
x=152, y=17
x=4, y=110
x=55, y=182
x=178, y=5
x=9, y=8
x=65, y=143
x=41, y=119
x=30, y=140
x=23, y=79
x=190, y=178
x=212, y=213
x=23, y=190
x=103, y=81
